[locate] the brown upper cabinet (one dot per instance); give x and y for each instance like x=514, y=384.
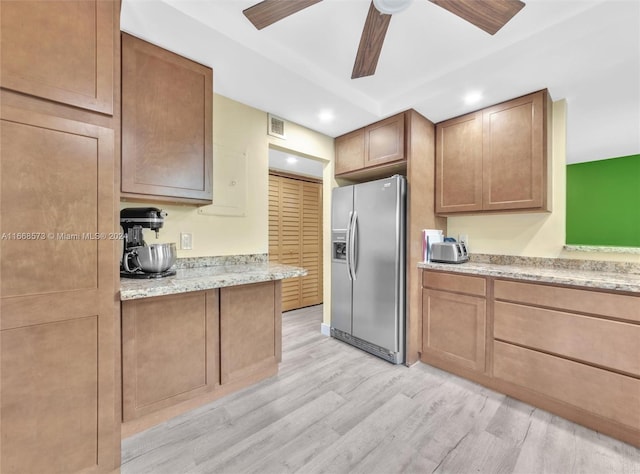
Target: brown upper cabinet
x=60, y=51
x=495, y=159
x=371, y=148
x=166, y=125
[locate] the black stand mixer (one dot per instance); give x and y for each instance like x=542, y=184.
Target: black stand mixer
x=140, y=260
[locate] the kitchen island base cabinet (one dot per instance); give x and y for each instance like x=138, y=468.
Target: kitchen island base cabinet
x=170, y=350
x=185, y=350
x=250, y=329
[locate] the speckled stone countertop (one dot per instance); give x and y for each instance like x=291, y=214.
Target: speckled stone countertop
x=580, y=273
x=194, y=275
x=602, y=249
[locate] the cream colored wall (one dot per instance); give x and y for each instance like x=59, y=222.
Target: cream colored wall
x=241, y=128
x=531, y=234
x=320, y=147
x=237, y=127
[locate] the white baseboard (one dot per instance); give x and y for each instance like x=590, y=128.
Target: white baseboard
x=325, y=329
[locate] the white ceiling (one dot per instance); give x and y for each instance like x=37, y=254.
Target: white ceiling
x=584, y=51
x=294, y=164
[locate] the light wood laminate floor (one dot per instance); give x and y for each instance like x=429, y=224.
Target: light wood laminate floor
x=333, y=408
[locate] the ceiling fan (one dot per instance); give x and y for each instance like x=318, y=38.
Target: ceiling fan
x=488, y=15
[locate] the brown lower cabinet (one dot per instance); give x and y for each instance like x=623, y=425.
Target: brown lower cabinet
x=601, y=392
x=570, y=351
x=180, y=351
x=250, y=330
x=454, y=319
x=170, y=350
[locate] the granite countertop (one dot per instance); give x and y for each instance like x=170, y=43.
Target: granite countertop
x=196, y=278
x=584, y=274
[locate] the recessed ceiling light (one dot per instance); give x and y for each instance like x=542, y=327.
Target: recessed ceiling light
x=473, y=97
x=292, y=159
x=326, y=116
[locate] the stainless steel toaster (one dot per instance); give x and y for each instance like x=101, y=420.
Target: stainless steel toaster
x=449, y=252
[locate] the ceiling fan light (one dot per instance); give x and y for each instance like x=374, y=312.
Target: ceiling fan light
x=390, y=7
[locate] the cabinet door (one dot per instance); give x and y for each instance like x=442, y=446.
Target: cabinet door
x=61, y=51
x=169, y=350
x=166, y=124
x=59, y=331
x=515, y=154
x=350, y=152
x=453, y=328
x=384, y=141
x=459, y=164
x=250, y=329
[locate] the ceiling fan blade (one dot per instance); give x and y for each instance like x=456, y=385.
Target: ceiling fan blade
x=373, y=33
x=488, y=15
x=268, y=12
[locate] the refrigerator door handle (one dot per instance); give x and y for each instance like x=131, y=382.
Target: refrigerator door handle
x=349, y=231
x=353, y=239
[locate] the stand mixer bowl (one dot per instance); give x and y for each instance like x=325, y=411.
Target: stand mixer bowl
x=156, y=258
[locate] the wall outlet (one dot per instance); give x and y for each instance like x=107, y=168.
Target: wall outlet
x=464, y=238
x=186, y=241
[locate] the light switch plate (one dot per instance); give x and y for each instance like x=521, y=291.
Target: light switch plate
x=186, y=241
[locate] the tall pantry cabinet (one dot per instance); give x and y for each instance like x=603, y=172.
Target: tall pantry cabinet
x=59, y=320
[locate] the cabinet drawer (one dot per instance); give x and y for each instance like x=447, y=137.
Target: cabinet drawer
x=598, y=391
x=611, y=344
x=584, y=301
x=458, y=283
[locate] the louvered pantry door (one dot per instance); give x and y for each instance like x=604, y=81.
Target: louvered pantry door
x=295, y=237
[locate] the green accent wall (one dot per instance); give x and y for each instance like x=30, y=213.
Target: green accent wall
x=603, y=202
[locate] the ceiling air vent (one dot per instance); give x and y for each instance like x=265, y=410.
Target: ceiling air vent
x=276, y=127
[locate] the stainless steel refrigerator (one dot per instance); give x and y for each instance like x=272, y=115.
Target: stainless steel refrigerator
x=368, y=266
